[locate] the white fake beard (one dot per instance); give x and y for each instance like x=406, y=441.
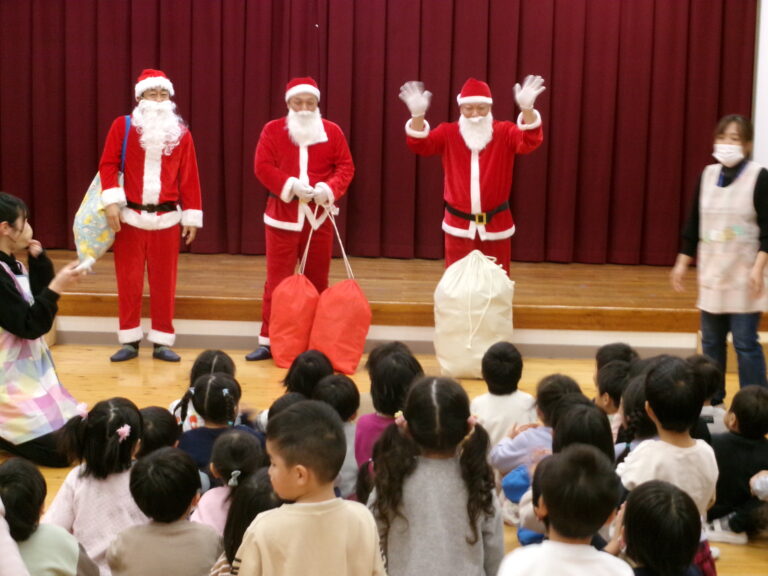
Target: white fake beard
x=305, y=127
x=476, y=131
x=159, y=127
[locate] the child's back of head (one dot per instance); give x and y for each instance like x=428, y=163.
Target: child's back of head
x=164, y=484
x=583, y=424
x=210, y=361
x=612, y=379
x=215, y=397
x=662, y=528
x=615, y=351
x=673, y=394
x=283, y=402
x=341, y=393
x=708, y=374
x=306, y=370
x=310, y=434
x=750, y=410
x=105, y=440
x=235, y=456
x=22, y=491
x=392, y=371
x=638, y=425
x=254, y=496
x=438, y=422
x=578, y=489
x=502, y=367
x=160, y=429
x=550, y=391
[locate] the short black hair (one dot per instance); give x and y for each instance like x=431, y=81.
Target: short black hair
x=584, y=424
x=566, y=403
x=750, y=406
x=673, y=394
x=236, y=454
x=662, y=527
x=550, y=390
x=708, y=373
x=612, y=379
x=164, y=483
x=615, y=351
x=391, y=377
x=12, y=208
x=341, y=393
x=502, y=368
x=210, y=361
x=580, y=490
x=310, y=433
x=283, y=402
x=306, y=370
x=160, y=429
x=23, y=491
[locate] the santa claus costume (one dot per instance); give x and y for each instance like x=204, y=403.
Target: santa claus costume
x=161, y=189
x=304, y=162
x=478, y=176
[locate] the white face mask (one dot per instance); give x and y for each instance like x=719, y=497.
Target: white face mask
x=728, y=154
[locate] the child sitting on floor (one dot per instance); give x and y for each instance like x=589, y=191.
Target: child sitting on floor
x=47, y=550
x=708, y=373
x=612, y=379
x=206, y=363
x=504, y=405
x=160, y=429
x=165, y=485
x=318, y=533
x=94, y=503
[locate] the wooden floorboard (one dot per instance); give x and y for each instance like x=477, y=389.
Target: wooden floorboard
x=88, y=374
x=547, y=296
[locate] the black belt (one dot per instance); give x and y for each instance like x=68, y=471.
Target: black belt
x=480, y=219
x=164, y=207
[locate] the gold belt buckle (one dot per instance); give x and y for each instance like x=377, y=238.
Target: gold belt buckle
x=481, y=219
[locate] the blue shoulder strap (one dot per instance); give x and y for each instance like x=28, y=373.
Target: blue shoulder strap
x=125, y=142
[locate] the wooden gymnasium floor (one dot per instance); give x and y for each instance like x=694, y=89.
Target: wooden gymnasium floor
x=89, y=375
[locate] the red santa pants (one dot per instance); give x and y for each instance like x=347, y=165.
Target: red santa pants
x=158, y=251
x=284, y=249
x=456, y=248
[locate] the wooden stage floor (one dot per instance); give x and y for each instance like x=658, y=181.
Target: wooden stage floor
x=547, y=296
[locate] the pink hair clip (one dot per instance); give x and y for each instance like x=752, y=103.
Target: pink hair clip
x=123, y=432
x=400, y=419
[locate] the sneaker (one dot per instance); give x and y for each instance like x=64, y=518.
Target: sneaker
x=127, y=352
x=165, y=354
x=261, y=353
x=717, y=532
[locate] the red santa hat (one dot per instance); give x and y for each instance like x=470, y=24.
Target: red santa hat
x=149, y=79
x=304, y=85
x=475, y=92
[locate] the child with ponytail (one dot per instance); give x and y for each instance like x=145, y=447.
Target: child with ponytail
x=216, y=398
x=94, y=503
x=236, y=456
x=206, y=363
x=434, y=498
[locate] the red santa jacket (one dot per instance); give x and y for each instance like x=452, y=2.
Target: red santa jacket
x=279, y=162
x=151, y=179
x=476, y=182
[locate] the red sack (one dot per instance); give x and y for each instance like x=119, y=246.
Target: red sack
x=293, y=312
x=341, y=325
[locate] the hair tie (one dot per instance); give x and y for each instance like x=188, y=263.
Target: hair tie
x=191, y=391
x=123, y=432
x=233, y=478
x=400, y=421
x=225, y=392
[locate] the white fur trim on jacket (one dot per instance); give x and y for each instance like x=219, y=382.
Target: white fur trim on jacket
x=113, y=196
x=162, y=338
x=413, y=133
x=192, y=218
x=153, y=163
x=128, y=336
x=302, y=89
x=286, y=194
x=327, y=189
x=150, y=221
x=282, y=225
x=535, y=124
x=154, y=82
x=479, y=230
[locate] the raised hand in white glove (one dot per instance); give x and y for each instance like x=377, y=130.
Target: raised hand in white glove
x=527, y=94
x=321, y=197
x=415, y=97
x=303, y=192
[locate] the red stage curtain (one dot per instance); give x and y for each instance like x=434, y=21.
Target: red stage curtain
x=634, y=90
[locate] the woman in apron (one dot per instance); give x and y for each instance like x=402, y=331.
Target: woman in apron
x=728, y=231
x=33, y=403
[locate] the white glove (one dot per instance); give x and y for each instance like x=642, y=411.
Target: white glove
x=415, y=97
x=526, y=96
x=321, y=197
x=302, y=191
